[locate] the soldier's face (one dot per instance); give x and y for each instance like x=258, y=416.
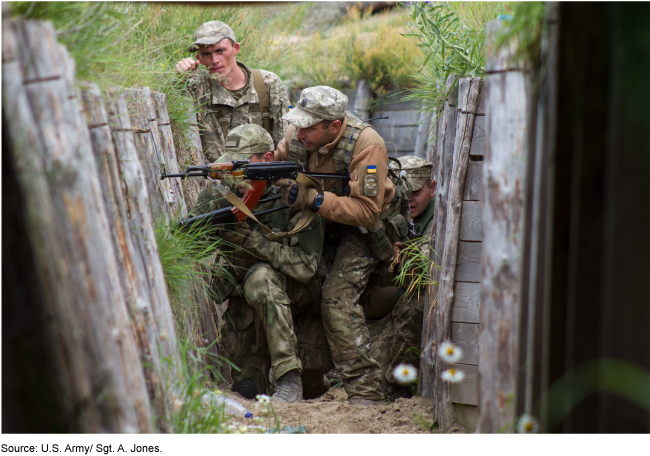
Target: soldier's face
x=219, y=58
x=256, y=158
x=315, y=137
x=419, y=200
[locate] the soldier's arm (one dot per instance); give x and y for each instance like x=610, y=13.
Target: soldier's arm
x=279, y=105
x=208, y=200
x=299, y=259
x=365, y=203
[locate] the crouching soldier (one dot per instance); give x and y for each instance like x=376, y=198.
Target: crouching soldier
x=270, y=321
x=395, y=316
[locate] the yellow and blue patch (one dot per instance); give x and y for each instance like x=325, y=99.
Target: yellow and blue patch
x=371, y=169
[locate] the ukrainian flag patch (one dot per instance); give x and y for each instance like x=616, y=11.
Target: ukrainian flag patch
x=371, y=169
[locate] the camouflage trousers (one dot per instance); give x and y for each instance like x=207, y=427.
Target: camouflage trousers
x=273, y=327
x=343, y=318
x=393, y=336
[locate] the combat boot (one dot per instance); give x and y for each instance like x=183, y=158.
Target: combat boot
x=288, y=388
x=396, y=392
x=314, y=384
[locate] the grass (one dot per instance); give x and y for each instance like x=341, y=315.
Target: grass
x=452, y=38
x=416, y=267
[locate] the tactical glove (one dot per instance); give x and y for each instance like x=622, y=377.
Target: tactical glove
x=296, y=195
x=237, y=237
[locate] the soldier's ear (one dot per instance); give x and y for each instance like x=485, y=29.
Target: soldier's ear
x=236, y=47
x=335, y=127
x=268, y=157
x=433, y=188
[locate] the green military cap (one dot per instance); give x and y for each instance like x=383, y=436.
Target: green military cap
x=246, y=140
x=417, y=170
x=211, y=33
x=316, y=104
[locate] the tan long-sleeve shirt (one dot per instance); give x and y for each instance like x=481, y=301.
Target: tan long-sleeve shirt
x=357, y=209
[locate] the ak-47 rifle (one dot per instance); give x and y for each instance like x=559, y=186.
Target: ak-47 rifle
x=260, y=173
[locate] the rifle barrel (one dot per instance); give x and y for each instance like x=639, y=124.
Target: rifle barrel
x=201, y=174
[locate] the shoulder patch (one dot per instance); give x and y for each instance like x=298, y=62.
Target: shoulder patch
x=232, y=141
x=372, y=169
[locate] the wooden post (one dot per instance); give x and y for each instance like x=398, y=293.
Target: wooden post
x=504, y=182
x=99, y=375
x=363, y=100
x=442, y=406
x=444, y=160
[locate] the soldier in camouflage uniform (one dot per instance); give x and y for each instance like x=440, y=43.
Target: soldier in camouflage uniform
x=228, y=93
x=323, y=137
x=400, y=329
x=270, y=322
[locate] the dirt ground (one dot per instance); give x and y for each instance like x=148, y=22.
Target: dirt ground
x=333, y=414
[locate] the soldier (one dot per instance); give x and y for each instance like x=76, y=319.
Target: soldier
x=229, y=93
x=400, y=329
x=269, y=321
x=323, y=137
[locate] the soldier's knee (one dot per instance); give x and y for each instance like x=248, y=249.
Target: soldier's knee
x=257, y=286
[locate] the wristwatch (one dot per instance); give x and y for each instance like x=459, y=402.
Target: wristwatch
x=318, y=202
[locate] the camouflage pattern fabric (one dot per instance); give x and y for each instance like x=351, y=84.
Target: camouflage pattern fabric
x=418, y=171
x=316, y=104
x=211, y=97
x=393, y=336
x=343, y=318
x=244, y=141
x=210, y=33
x=282, y=288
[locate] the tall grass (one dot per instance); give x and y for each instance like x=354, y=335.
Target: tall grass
x=452, y=38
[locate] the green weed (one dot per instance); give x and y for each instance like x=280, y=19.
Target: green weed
x=416, y=267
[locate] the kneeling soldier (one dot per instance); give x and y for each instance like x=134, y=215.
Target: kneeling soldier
x=395, y=317
x=269, y=321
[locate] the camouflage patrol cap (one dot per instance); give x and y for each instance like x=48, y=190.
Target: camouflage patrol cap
x=211, y=33
x=316, y=104
x=246, y=140
x=418, y=170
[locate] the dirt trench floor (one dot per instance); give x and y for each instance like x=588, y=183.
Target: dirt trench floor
x=333, y=414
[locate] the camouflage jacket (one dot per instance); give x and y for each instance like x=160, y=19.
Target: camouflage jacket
x=425, y=221
x=209, y=95
x=295, y=256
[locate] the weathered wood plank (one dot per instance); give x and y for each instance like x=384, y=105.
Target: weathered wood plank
x=478, y=138
x=465, y=335
x=468, y=268
x=466, y=392
x=467, y=302
x=474, y=180
x=480, y=108
x=504, y=177
x=444, y=158
x=471, y=220
x=442, y=409
x=97, y=370
x=467, y=416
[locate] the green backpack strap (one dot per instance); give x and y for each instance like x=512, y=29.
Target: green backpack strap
x=263, y=94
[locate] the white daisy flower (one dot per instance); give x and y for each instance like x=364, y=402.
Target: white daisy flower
x=450, y=353
x=231, y=428
x=527, y=425
x=405, y=374
x=243, y=429
x=453, y=375
x=263, y=399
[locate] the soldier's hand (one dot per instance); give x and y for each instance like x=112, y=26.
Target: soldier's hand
x=188, y=64
x=238, y=236
x=284, y=188
x=296, y=195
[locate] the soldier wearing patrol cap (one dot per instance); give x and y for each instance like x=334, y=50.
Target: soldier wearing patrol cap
x=270, y=320
x=394, y=317
x=323, y=137
x=228, y=93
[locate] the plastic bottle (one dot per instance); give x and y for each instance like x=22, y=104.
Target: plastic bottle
x=230, y=406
